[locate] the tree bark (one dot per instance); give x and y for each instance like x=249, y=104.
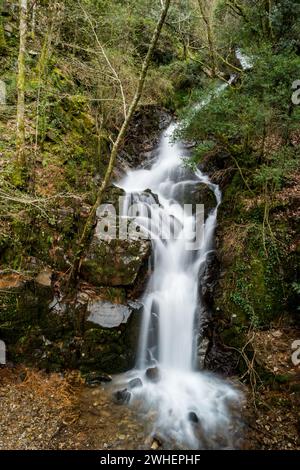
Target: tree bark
x=20, y=136
x=118, y=142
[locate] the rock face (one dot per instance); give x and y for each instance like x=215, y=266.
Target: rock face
x=94, y=333
x=112, y=261
x=143, y=135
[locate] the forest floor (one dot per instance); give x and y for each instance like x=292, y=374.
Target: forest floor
x=272, y=413
x=58, y=411
x=41, y=411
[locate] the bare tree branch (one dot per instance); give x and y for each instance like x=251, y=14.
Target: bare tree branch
x=113, y=70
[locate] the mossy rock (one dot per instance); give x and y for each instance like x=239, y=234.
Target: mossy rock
x=115, y=262
x=111, y=260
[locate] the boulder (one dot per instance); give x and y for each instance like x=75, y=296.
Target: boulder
x=93, y=379
x=135, y=383
x=153, y=374
x=110, y=315
x=193, y=418
x=122, y=397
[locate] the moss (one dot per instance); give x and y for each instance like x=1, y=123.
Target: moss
x=105, y=350
x=252, y=289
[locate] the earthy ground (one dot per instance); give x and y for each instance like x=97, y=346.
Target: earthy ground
x=40, y=411
x=273, y=411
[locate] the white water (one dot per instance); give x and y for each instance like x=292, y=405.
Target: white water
x=172, y=309
x=245, y=61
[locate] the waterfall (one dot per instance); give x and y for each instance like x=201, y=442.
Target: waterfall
x=245, y=61
x=188, y=407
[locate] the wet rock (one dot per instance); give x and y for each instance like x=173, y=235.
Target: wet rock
x=153, y=196
x=153, y=374
x=93, y=379
x=208, y=276
x=199, y=194
x=122, y=397
x=202, y=351
x=193, y=418
x=135, y=383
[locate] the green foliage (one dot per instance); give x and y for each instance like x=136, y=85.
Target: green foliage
x=255, y=22
x=244, y=113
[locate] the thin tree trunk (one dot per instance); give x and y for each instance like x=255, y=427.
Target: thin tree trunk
x=207, y=20
x=20, y=137
x=2, y=36
x=118, y=142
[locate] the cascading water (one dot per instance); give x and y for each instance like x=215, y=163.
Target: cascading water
x=187, y=408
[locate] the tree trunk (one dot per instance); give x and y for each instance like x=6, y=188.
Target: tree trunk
x=2, y=36
x=118, y=142
x=206, y=15
x=20, y=137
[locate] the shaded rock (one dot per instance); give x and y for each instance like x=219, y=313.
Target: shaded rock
x=122, y=397
x=193, y=418
x=93, y=379
x=208, y=278
x=144, y=134
x=153, y=374
x=199, y=194
x=135, y=383
x=153, y=196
